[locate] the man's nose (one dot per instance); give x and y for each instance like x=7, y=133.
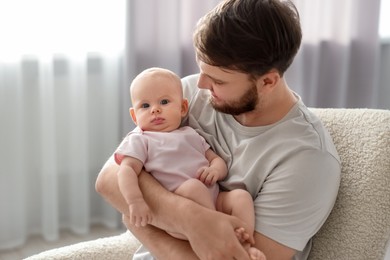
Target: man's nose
x=204, y=82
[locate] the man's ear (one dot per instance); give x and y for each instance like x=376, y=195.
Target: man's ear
x=132, y=114
x=268, y=81
x=184, y=107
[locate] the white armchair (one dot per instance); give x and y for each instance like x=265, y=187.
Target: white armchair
x=359, y=225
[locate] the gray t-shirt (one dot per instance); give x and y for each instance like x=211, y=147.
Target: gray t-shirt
x=291, y=168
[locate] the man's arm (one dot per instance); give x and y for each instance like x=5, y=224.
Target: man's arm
x=272, y=249
x=208, y=227
x=167, y=247
x=108, y=187
x=202, y=226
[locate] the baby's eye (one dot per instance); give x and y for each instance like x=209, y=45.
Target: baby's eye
x=144, y=105
x=164, y=102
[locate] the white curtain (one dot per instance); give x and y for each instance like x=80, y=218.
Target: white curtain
x=61, y=73
x=340, y=63
x=159, y=33
x=65, y=68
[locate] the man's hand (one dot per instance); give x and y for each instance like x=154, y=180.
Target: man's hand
x=212, y=235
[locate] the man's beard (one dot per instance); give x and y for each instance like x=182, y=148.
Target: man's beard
x=246, y=103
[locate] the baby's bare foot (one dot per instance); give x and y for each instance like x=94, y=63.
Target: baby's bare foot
x=255, y=254
x=242, y=235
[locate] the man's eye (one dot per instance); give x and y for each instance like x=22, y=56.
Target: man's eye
x=164, y=101
x=144, y=105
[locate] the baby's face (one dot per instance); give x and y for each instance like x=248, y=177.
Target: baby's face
x=157, y=103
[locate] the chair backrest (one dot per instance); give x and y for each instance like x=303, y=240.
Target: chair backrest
x=359, y=225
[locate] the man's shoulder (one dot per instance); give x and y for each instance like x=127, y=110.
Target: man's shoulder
x=193, y=78
x=190, y=86
x=198, y=98
x=321, y=132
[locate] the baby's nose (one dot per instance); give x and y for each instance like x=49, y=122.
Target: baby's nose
x=156, y=110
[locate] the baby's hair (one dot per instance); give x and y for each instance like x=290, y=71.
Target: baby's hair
x=156, y=71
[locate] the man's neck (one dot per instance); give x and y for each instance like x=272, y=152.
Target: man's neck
x=272, y=109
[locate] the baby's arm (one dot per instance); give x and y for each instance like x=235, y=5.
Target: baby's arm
x=129, y=170
x=216, y=171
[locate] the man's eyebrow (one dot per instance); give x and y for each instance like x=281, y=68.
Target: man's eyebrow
x=229, y=71
x=213, y=78
x=221, y=80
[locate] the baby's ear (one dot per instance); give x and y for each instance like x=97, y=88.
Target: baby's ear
x=132, y=114
x=184, y=107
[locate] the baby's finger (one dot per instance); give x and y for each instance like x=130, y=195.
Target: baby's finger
x=210, y=180
x=203, y=176
x=136, y=222
x=201, y=171
x=132, y=219
x=144, y=221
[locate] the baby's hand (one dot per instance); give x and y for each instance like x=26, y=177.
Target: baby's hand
x=208, y=175
x=140, y=214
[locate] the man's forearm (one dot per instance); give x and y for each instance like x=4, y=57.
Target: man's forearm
x=164, y=206
x=161, y=244
x=168, y=209
x=178, y=215
x=107, y=186
x=168, y=215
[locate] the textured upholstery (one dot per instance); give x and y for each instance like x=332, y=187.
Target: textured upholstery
x=359, y=225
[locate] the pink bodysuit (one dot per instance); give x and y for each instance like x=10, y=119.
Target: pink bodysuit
x=171, y=157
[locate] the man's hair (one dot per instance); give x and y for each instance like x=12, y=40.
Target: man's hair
x=251, y=36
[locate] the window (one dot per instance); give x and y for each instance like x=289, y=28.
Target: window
x=42, y=27
x=384, y=28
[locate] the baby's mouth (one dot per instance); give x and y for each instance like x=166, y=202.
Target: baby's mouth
x=158, y=120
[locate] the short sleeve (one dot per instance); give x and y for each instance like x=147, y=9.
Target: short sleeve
x=134, y=145
x=297, y=197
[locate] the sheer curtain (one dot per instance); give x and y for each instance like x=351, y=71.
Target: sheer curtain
x=159, y=33
x=342, y=61
x=61, y=72
x=339, y=63
x=65, y=68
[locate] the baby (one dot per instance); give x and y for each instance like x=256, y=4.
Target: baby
x=178, y=157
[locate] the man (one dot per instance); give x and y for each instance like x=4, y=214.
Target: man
x=274, y=146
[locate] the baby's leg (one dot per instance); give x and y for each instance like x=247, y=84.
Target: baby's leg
x=197, y=191
x=239, y=203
